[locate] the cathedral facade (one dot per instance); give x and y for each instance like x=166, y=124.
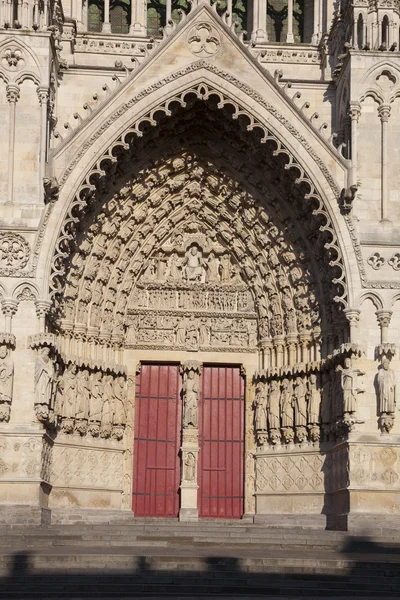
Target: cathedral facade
x=199, y=260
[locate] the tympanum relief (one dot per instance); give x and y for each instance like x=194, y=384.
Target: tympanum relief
x=192, y=296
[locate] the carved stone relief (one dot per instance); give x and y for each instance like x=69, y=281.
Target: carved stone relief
x=14, y=252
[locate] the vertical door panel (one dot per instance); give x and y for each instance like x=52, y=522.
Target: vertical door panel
x=221, y=436
x=157, y=441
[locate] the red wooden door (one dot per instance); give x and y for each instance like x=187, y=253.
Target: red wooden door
x=157, y=441
x=221, y=437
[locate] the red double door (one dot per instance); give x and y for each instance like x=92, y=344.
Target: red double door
x=158, y=438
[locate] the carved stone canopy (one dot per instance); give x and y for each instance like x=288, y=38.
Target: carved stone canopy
x=202, y=193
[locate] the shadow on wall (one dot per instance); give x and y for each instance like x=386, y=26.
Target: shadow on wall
x=360, y=568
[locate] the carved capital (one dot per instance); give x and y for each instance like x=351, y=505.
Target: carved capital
x=385, y=350
x=42, y=307
x=352, y=315
x=7, y=339
x=384, y=112
x=191, y=365
x=355, y=111
x=12, y=93
x=9, y=307
x=43, y=95
x=384, y=317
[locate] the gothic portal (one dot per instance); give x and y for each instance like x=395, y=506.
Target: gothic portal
x=198, y=263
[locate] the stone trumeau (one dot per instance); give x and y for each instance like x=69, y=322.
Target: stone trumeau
x=199, y=244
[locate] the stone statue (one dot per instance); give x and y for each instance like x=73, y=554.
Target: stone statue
x=193, y=269
x=119, y=414
x=190, y=467
x=173, y=268
x=205, y=332
x=287, y=414
x=181, y=332
x=300, y=405
x=106, y=413
x=6, y=382
x=273, y=411
x=83, y=394
x=44, y=377
x=386, y=383
x=192, y=335
x=260, y=417
x=70, y=392
x=286, y=403
x=350, y=390
x=190, y=398
x=314, y=400
x=96, y=402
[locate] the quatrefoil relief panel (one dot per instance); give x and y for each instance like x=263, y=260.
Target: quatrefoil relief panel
x=376, y=261
x=394, y=261
x=203, y=40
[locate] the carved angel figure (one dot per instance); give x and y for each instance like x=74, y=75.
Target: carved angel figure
x=386, y=388
x=44, y=377
x=214, y=268
x=191, y=399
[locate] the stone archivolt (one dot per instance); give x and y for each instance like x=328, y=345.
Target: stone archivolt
x=272, y=235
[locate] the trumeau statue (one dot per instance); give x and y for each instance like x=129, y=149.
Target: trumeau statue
x=191, y=399
x=6, y=382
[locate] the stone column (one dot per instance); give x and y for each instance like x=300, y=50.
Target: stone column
x=384, y=317
x=315, y=36
x=43, y=94
x=354, y=112
x=138, y=25
x=384, y=113
x=259, y=33
x=289, y=35
x=353, y=317
x=42, y=308
x=9, y=307
x=190, y=371
x=106, y=24
x=12, y=92
x=126, y=502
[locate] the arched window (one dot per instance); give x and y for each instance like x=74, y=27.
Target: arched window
x=95, y=15
x=156, y=16
x=277, y=15
x=360, y=32
x=120, y=16
x=385, y=30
